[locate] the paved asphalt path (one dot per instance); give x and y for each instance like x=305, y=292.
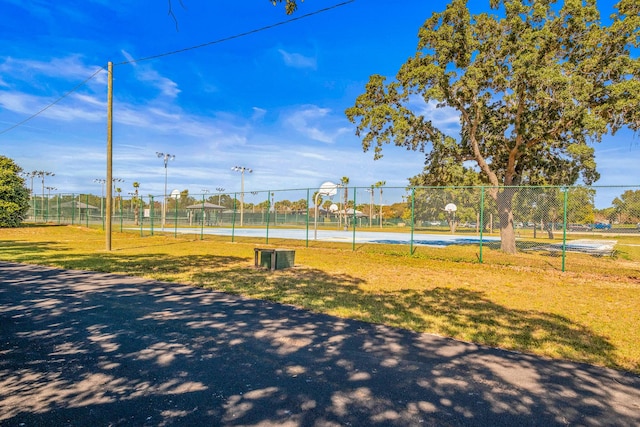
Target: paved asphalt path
x=87, y=349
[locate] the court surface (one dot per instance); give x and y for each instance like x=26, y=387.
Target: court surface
x=384, y=237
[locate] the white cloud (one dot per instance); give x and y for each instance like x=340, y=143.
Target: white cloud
x=445, y=118
x=28, y=104
x=17, y=102
x=129, y=58
x=69, y=68
x=297, y=60
x=146, y=74
x=157, y=121
x=315, y=156
x=258, y=113
x=166, y=86
x=315, y=123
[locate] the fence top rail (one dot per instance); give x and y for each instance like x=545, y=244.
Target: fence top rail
x=354, y=187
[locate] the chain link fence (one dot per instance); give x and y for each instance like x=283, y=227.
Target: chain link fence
x=552, y=220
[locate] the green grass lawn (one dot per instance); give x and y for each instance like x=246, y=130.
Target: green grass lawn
x=522, y=302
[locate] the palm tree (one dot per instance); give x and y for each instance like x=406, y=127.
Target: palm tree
x=119, y=199
x=136, y=209
x=344, y=182
x=379, y=185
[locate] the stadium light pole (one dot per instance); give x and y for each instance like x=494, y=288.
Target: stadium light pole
x=31, y=175
x=166, y=157
x=49, y=197
x=114, y=180
x=370, y=191
x=242, y=170
x=102, y=182
x=220, y=190
x=379, y=185
x=27, y=175
x=42, y=174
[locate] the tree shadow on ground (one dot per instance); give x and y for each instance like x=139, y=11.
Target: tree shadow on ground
x=101, y=349
x=12, y=248
x=454, y=312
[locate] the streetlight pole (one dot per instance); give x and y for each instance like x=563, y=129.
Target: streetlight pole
x=220, y=190
x=49, y=197
x=31, y=175
x=42, y=174
x=370, y=191
x=166, y=157
x=102, y=182
x=241, y=169
x=114, y=180
x=379, y=185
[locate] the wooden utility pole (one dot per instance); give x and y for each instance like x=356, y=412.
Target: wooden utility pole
x=109, y=154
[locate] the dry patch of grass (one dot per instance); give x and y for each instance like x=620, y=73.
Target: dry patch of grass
x=522, y=302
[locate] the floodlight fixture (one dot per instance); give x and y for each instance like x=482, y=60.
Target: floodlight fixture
x=242, y=170
x=166, y=157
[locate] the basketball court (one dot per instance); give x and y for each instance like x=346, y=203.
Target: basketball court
x=362, y=237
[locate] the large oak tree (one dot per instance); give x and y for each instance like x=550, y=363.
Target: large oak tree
x=534, y=85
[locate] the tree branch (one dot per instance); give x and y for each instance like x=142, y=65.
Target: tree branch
x=170, y=13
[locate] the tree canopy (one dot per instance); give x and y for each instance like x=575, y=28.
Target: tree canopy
x=534, y=85
x=14, y=197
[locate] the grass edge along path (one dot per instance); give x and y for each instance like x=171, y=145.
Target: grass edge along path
x=590, y=316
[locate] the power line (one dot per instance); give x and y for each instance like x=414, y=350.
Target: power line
x=236, y=36
x=148, y=58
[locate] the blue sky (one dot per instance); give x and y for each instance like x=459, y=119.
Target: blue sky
x=272, y=101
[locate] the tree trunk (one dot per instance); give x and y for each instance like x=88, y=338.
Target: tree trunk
x=505, y=213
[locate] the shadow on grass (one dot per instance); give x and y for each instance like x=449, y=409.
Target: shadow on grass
x=159, y=266
x=459, y=313
x=23, y=250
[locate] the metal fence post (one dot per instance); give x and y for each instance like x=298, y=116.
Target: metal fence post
x=355, y=218
x=73, y=209
x=413, y=198
x=175, y=219
x=564, y=226
x=202, y=226
x=481, y=225
x=140, y=213
x=151, y=212
x=268, y=214
x=102, y=210
x=233, y=218
x=307, y=238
